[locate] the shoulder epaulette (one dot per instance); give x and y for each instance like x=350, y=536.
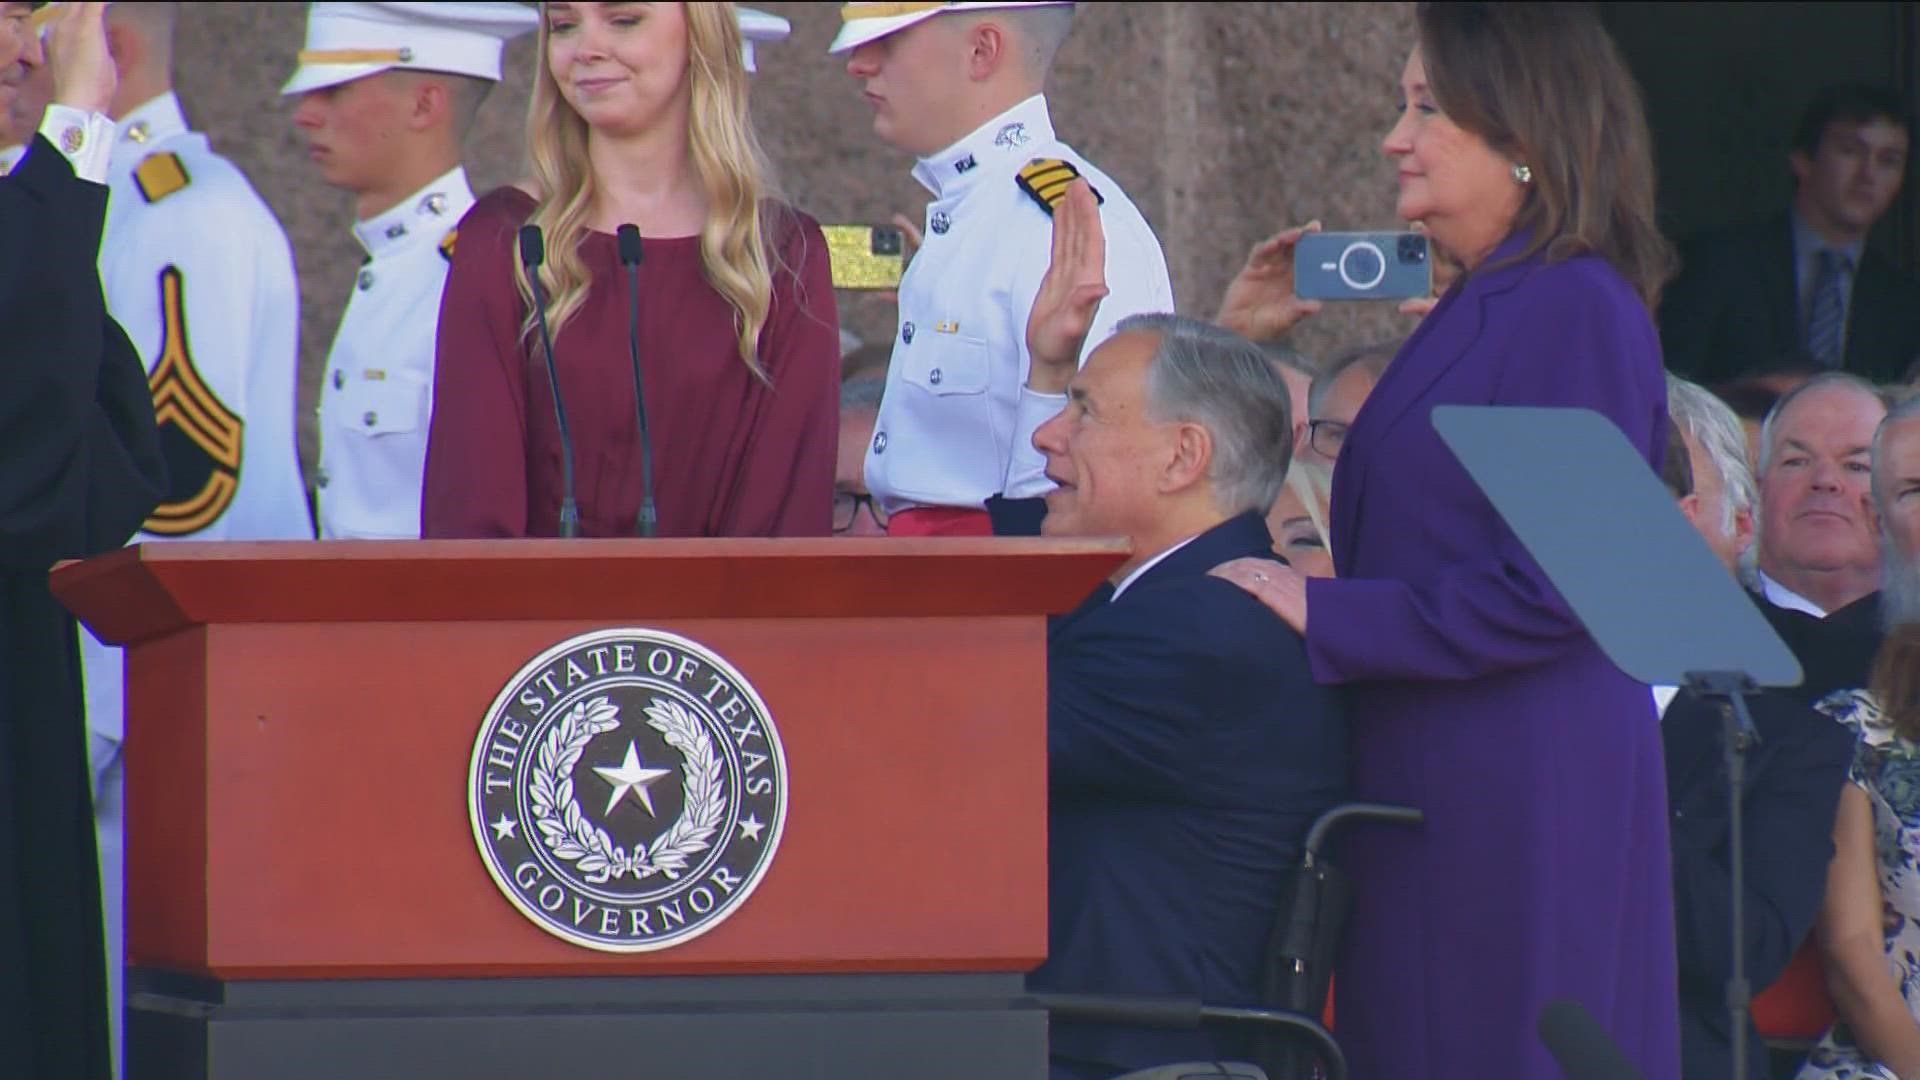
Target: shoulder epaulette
x=1046, y=180
x=159, y=175
x=446, y=244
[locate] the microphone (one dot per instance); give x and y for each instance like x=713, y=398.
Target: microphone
x=533, y=252
x=1577, y=1042
x=629, y=240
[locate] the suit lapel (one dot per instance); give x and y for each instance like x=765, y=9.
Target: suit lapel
x=1233, y=538
x=1780, y=286
x=1098, y=599
x=1869, y=339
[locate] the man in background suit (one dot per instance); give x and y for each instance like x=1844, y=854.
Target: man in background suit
x=1793, y=779
x=80, y=468
x=1802, y=287
x=1189, y=747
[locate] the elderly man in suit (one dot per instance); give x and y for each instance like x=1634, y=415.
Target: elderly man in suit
x=1189, y=747
x=1802, y=287
x=1792, y=787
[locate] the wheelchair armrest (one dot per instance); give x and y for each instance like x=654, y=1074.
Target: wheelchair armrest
x=1184, y=1013
x=1347, y=813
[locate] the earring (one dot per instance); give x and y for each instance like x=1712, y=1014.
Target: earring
x=1522, y=174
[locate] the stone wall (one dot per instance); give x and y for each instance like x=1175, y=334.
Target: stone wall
x=1224, y=121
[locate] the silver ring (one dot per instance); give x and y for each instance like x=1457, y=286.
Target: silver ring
x=1261, y=576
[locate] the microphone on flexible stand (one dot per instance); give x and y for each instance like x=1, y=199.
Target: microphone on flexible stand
x=1580, y=1046
x=533, y=252
x=629, y=240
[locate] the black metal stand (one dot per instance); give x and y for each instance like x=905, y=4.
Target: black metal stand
x=1730, y=689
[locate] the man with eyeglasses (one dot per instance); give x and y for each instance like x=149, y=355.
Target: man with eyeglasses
x=1337, y=394
x=855, y=511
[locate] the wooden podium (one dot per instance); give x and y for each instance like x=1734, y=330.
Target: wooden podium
x=306, y=896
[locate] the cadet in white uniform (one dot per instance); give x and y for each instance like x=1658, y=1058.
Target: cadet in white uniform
x=199, y=273
x=377, y=393
x=956, y=427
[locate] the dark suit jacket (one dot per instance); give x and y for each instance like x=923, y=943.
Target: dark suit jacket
x=1793, y=781
x=1188, y=750
x=80, y=468
x=1835, y=653
x=1735, y=308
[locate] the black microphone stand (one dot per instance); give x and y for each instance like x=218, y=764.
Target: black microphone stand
x=533, y=252
x=1730, y=690
x=629, y=240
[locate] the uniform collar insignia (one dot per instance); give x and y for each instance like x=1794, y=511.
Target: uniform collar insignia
x=419, y=218
x=987, y=150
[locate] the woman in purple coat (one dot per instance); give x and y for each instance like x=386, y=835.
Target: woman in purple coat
x=1542, y=870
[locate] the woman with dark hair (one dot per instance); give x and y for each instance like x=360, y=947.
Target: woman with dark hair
x=1475, y=694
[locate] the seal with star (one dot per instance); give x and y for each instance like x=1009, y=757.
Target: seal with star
x=627, y=790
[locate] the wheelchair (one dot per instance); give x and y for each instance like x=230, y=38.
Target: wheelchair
x=1287, y=1041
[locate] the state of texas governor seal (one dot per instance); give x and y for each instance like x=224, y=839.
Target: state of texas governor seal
x=627, y=790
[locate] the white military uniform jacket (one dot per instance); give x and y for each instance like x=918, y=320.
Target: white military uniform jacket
x=198, y=271
x=956, y=422
x=378, y=391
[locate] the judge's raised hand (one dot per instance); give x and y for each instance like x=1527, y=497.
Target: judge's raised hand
x=1280, y=587
x=1260, y=304
x=1070, y=293
x=83, y=74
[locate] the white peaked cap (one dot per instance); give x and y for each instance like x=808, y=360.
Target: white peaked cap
x=861, y=23
x=351, y=41
x=759, y=27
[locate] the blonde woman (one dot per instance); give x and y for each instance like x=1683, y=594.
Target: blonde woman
x=1298, y=519
x=639, y=116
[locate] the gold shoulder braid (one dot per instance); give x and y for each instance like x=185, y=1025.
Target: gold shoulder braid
x=1046, y=180
x=159, y=175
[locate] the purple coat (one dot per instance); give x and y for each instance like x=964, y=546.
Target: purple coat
x=1474, y=694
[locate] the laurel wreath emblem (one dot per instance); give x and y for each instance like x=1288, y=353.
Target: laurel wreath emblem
x=572, y=837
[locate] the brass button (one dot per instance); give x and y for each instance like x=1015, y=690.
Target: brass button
x=366, y=280
x=371, y=418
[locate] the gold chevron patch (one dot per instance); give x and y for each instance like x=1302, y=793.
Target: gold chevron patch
x=1046, y=180
x=159, y=175
x=446, y=244
x=199, y=436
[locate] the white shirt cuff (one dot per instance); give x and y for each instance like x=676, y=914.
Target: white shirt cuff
x=1027, y=469
x=85, y=139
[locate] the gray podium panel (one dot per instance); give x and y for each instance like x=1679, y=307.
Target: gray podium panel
x=853, y=1027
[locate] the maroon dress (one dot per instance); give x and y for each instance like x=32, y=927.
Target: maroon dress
x=732, y=456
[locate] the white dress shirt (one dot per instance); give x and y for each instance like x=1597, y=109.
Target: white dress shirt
x=377, y=396
x=956, y=422
x=84, y=139
x=1156, y=560
x=1781, y=596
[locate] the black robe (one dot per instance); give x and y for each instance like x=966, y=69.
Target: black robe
x=80, y=468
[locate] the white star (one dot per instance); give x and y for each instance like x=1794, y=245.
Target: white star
x=630, y=776
x=503, y=828
x=750, y=827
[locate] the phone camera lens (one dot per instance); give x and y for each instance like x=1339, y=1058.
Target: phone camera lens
x=1362, y=266
x=1413, y=249
x=886, y=241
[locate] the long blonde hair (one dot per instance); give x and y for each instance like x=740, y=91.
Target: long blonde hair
x=734, y=172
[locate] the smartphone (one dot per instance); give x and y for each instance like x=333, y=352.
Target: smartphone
x=866, y=256
x=1361, y=266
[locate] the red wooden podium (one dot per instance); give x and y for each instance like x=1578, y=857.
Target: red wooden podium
x=304, y=892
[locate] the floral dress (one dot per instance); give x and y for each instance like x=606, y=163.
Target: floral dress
x=1887, y=768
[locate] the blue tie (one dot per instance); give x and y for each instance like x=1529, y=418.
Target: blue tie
x=1827, y=314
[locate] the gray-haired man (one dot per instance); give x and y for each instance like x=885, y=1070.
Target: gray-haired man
x=1896, y=502
x=1178, y=706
